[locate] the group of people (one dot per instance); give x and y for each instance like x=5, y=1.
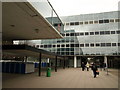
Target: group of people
x=85, y=66
x=93, y=67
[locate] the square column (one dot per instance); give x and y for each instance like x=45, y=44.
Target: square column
x=105, y=61
x=40, y=64
x=75, y=61
x=55, y=63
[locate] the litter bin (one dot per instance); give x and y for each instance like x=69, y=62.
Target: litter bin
x=48, y=74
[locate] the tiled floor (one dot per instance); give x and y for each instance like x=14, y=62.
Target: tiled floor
x=64, y=78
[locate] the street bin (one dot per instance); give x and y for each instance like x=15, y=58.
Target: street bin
x=48, y=74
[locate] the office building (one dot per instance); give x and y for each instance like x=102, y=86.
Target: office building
x=87, y=35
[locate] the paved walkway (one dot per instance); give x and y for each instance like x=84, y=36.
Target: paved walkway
x=64, y=78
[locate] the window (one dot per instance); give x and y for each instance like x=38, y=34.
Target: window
x=117, y=20
x=72, y=45
x=112, y=32
x=37, y=46
x=41, y=45
x=49, y=46
x=67, y=34
x=86, y=33
x=62, y=45
x=45, y=46
x=76, y=23
x=91, y=33
x=76, y=34
x=71, y=49
x=58, y=52
x=81, y=23
x=118, y=44
x=71, y=34
x=108, y=44
x=90, y=22
x=76, y=45
x=81, y=33
x=111, y=20
x=58, y=41
x=96, y=33
x=63, y=34
x=86, y=22
x=67, y=45
x=67, y=24
x=113, y=44
x=81, y=45
x=100, y=21
x=62, y=49
x=58, y=45
x=106, y=21
x=118, y=32
x=72, y=53
x=55, y=24
x=107, y=32
x=63, y=40
x=54, y=45
x=67, y=53
x=72, y=40
x=95, y=22
x=97, y=44
x=87, y=45
x=62, y=53
x=92, y=44
x=102, y=44
x=101, y=32
x=67, y=49
x=72, y=23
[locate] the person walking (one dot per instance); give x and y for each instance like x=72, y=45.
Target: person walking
x=87, y=66
x=94, y=68
x=83, y=66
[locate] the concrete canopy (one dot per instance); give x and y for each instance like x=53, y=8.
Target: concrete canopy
x=24, y=50
x=21, y=21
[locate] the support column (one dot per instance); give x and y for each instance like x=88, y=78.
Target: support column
x=56, y=64
x=68, y=63
x=25, y=59
x=48, y=62
x=64, y=64
x=40, y=64
x=75, y=61
x=105, y=61
x=60, y=63
x=80, y=61
x=109, y=63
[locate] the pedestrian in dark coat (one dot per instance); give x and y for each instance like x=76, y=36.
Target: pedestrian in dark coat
x=83, y=66
x=94, y=68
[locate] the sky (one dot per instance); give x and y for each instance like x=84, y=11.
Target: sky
x=77, y=7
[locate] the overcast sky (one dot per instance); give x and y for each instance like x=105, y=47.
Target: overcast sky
x=76, y=7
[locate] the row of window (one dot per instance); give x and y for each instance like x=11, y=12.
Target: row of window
x=92, y=33
x=65, y=53
x=99, y=44
x=81, y=45
x=72, y=53
x=93, y=22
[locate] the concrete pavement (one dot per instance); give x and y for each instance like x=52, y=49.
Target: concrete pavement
x=64, y=78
